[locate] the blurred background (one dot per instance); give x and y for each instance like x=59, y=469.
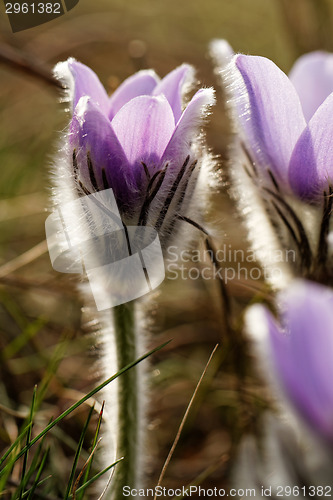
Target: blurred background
x=44, y=338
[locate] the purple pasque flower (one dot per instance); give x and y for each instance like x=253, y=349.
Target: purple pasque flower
x=286, y=123
x=139, y=141
x=300, y=350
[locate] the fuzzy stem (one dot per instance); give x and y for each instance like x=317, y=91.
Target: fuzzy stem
x=128, y=407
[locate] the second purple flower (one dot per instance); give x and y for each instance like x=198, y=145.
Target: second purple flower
x=286, y=122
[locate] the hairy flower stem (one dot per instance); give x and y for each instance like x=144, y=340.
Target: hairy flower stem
x=126, y=471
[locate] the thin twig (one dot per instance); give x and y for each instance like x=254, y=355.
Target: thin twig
x=13, y=413
x=182, y=423
x=26, y=64
x=23, y=259
x=21, y=206
x=205, y=474
x=39, y=286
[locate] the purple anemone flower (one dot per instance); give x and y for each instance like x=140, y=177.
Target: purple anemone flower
x=139, y=142
x=300, y=350
x=287, y=123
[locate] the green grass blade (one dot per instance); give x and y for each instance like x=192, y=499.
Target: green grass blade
x=25, y=456
x=15, y=443
x=79, y=477
x=87, y=472
x=37, y=483
x=34, y=462
x=52, y=367
x=20, y=341
x=97, y=476
x=77, y=454
x=84, y=399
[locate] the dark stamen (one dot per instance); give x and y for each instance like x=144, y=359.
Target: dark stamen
x=84, y=189
x=182, y=195
x=288, y=225
x=146, y=170
x=322, y=249
x=306, y=253
x=151, y=195
x=127, y=239
x=249, y=158
x=171, y=194
x=192, y=223
x=183, y=192
x=91, y=172
x=156, y=174
x=75, y=165
x=104, y=179
x=248, y=172
x=273, y=179
x=75, y=173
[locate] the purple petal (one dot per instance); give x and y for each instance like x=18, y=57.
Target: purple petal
x=171, y=86
x=269, y=111
x=144, y=127
x=187, y=127
x=304, y=358
x=142, y=83
x=91, y=132
x=311, y=165
x=82, y=81
x=312, y=76
x=299, y=354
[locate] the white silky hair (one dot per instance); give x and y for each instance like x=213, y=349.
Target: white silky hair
x=221, y=53
x=261, y=235
x=106, y=366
